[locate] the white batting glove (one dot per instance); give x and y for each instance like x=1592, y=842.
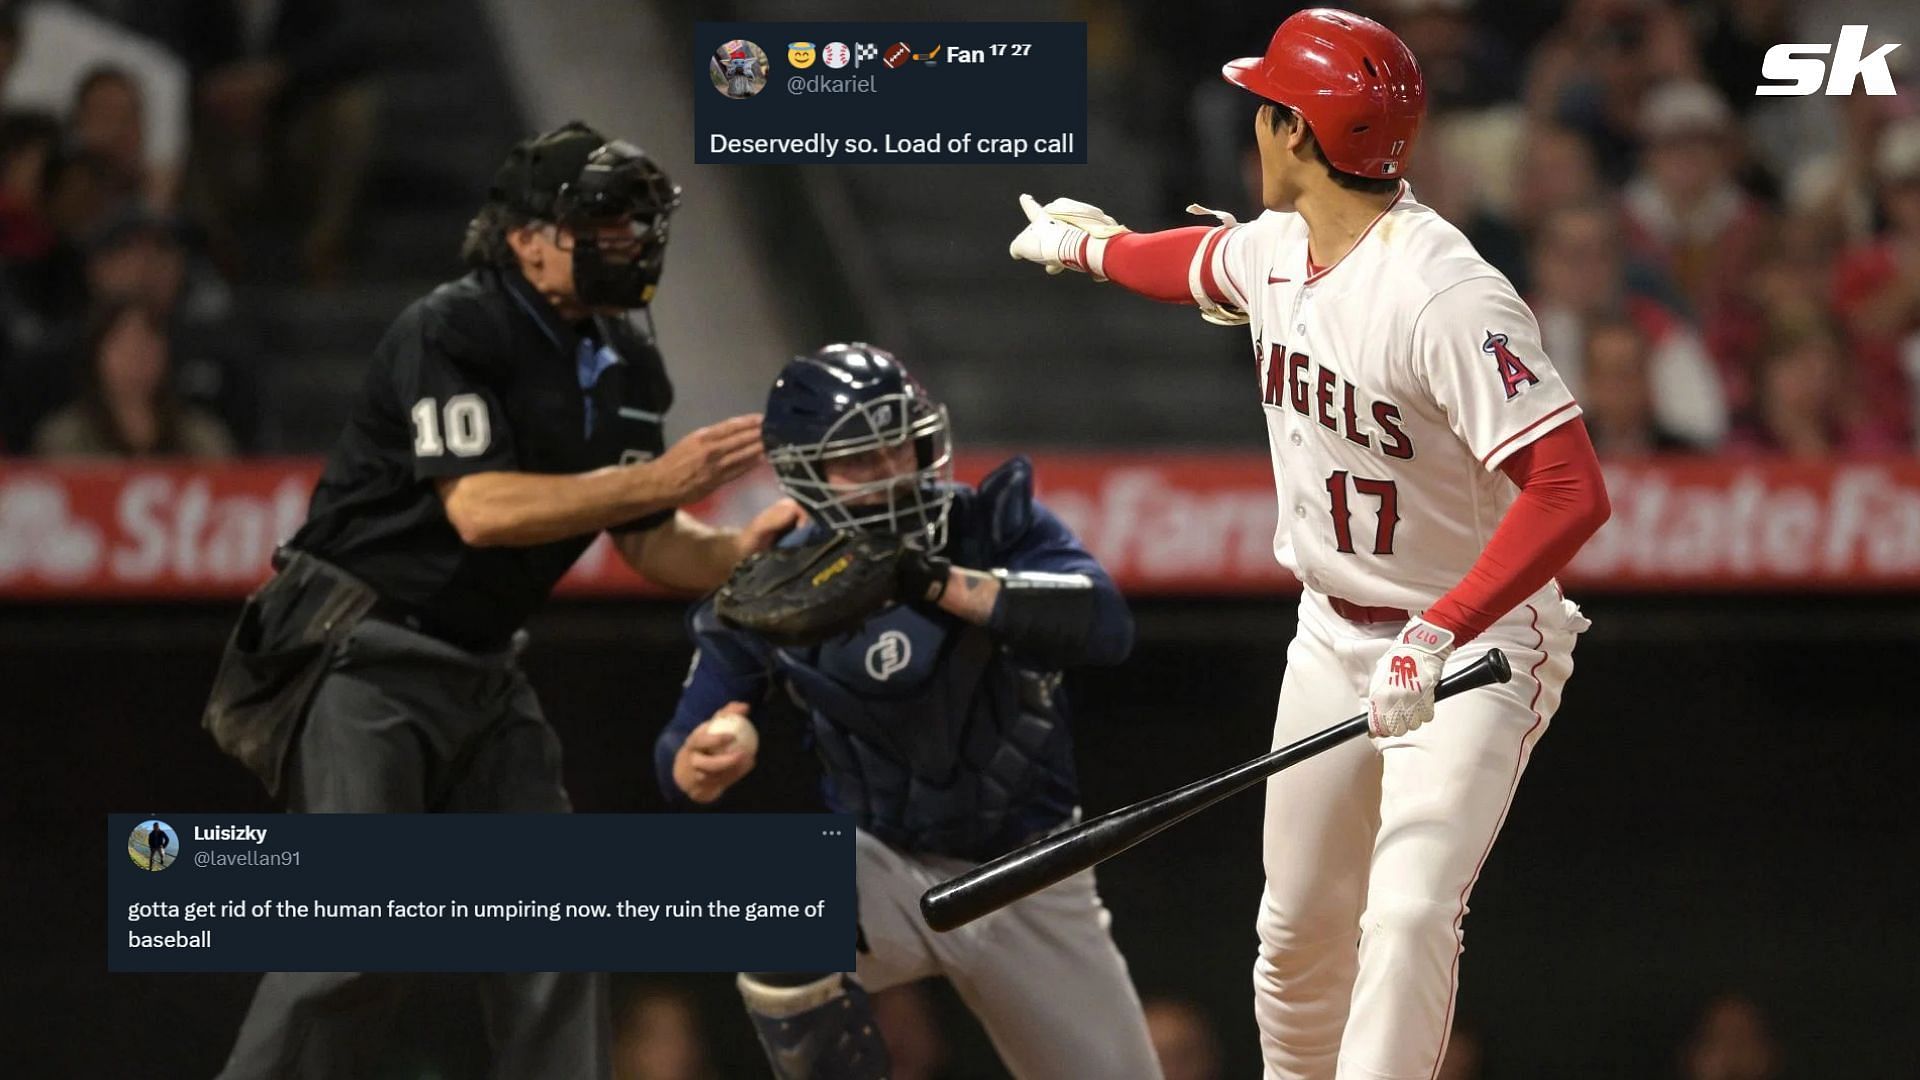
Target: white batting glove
x=1065, y=234
x=1400, y=698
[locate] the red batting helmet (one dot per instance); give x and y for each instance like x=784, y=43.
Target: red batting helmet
x=1354, y=82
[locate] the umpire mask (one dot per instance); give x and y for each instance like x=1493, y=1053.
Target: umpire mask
x=617, y=210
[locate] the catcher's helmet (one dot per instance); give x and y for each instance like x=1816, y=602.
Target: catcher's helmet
x=853, y=405
x=1353, y=81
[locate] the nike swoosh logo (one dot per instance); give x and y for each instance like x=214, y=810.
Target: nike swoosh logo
x=1271, y=280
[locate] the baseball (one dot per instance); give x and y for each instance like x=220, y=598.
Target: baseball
x=745, y=735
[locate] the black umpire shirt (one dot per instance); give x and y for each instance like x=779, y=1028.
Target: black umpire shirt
x=481, y=375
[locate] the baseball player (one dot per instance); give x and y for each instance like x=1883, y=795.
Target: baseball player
x=1433, y=476
x=507, y=419
x=939, y=721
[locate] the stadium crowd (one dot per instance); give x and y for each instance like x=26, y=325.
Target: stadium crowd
x=145, y=147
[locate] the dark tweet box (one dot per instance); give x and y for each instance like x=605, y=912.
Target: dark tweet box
x=481, y=892
x=880, y=93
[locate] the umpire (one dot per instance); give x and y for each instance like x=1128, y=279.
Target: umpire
x=508, y=417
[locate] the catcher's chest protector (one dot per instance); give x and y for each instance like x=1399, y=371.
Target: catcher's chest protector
x=933, y=738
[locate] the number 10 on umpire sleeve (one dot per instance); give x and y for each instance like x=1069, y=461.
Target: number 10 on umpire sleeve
x=467, y=430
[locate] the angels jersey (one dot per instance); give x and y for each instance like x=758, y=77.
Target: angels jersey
x=1394, y=382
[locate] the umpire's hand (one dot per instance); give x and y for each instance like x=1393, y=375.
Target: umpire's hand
x=705, y=459
x=710, y=762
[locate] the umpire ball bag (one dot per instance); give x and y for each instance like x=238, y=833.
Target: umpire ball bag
x=288, y=635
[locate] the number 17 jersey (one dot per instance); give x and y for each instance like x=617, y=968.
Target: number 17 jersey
x=1394, y=381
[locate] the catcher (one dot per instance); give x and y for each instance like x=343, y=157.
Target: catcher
x=923, y=625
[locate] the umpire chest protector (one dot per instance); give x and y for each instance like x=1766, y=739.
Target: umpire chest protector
x=936, y=738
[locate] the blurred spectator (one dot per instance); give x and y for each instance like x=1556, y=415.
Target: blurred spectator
x=1204, y=123
x=138, y=255
x=106, y=118
x=1465, y=65
x=657, y=1037
x=1687, y=216
x=61, y=44
x=1876, y=290
x=914, y=1043
x=285, y=106
x=1556, y=171
x=1734, y=36
x=1463, y=1054
x=1617, y=402
x=1183, y=1039
x=1731, y=1042
x=1593, y=67
x=1579, y=278
x=27, y=145
x=147, y=256
x=1800, y=401
x=1440, y=181
x=127, y=407
x=1785, y=293
x=1837, y=187
x=45, y=291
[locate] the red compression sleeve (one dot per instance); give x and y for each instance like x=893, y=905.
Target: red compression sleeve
x=1562, y=502
x=1156, y=264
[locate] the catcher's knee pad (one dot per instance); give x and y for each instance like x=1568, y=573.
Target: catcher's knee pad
x=815, y=1027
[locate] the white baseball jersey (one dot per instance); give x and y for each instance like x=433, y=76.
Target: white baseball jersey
x=1395, y=382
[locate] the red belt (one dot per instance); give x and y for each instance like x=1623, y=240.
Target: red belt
x=1353, y=612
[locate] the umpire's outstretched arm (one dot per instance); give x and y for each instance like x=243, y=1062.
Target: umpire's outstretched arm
x=521, y=509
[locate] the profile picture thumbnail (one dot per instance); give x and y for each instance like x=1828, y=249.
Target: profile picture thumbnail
x=739, y=69
x=153, y=845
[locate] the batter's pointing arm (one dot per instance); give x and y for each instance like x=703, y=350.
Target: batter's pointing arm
x=1196, y=265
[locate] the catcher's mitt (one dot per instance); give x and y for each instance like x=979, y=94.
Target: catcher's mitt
x=803, y=595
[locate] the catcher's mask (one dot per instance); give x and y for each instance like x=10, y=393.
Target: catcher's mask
x=610, y=195
x=854, y=439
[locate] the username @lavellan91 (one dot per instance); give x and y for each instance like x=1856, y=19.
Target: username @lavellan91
x=964, y=93
x=544, y=892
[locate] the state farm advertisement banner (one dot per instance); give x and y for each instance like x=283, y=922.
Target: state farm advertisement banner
x=1166, y=524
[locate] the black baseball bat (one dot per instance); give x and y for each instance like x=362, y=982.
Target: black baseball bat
x=1025, y=870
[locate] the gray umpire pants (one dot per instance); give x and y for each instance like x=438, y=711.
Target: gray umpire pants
x=405, y=723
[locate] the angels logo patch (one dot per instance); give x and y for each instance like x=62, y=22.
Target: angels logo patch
x=1513, y=373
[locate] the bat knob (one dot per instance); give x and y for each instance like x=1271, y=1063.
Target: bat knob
x=1497, y=663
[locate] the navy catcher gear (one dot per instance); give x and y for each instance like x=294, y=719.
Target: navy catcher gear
x=853, y=409
x=815, y=1027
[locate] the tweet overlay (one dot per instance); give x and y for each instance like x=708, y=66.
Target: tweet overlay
x=480, y=892
x=796, y=93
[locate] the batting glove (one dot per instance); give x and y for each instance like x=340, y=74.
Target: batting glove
x=1065, y=235
x=1400, y=698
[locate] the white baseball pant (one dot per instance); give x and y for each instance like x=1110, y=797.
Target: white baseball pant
x=1379, y=841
